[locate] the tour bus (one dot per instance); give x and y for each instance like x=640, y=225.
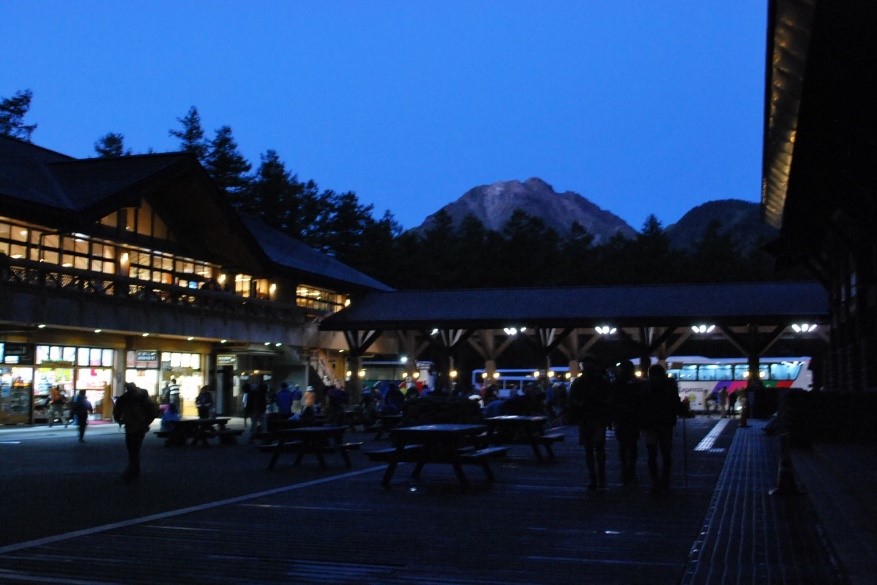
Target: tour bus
x=507, y=380
x=381, y=373
x=698, y=376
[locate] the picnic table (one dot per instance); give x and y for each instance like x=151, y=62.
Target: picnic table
x=198, y=430
x=386, y=423
x=449, y=444
x=522, y=430
x=317, y=441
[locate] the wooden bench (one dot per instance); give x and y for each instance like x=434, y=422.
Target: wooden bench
x=416, y=454
x=391, y=453
x=229, y=436
x=288, y=447
x=535, y=441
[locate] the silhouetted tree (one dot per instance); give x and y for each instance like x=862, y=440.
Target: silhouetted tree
x=12, y=113
x=531, y=254
x=111, y=144
x=377, y=254
x=651, y=255
x=228, y=167
x=191, y=135
x=272, y=195
x=578, y=259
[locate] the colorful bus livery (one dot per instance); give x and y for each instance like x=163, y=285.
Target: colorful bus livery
x=698, y=377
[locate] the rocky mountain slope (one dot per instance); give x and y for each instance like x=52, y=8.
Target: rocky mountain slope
x=494, y=204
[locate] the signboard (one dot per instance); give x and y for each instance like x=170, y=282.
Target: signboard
x=226, y=359
x=17, y=353
x=142, y=359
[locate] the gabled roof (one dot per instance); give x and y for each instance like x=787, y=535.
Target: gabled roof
x=726, y=303
x=317, y=268
x=65, y=193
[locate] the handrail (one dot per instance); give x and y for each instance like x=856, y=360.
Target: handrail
x=28, y=273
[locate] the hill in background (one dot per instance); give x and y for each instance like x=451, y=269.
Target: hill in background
x=494, y=204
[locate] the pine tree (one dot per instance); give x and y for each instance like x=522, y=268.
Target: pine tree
x=273, y=194
x=111, y=144
x=191, y=135
x=228, y=167
x=12, y=113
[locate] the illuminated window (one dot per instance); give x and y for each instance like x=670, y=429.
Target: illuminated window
x=318, y=300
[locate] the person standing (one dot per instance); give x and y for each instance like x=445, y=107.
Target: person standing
x=732, y=403
x=625, y=399
x=661, y=406
x=174, y=395
x=297, y=396
x=589, y=404
x=257, y=401
x=246, y=389
x=80, y=409
x=204, y=402
x=283, y=400
x=135, y=410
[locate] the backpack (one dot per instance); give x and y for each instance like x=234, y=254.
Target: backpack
x=135, y=409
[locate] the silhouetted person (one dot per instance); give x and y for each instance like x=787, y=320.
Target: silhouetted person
x=589, y=404
x=732, y=403
x=81, y=408
x=625, y=399
x=661, y=406
x=394, y=401
x=135, y=410
x=283, y=400
x=204, y=402
x=258, y=402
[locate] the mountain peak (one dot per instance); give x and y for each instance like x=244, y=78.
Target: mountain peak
x=494, y=204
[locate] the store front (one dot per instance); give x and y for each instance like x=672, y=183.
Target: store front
x=189, y=372
x=72, y=369
x=16, y=383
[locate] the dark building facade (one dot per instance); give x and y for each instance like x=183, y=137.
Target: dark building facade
x=820, y=167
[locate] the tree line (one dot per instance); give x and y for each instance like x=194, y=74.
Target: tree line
x=525, y=252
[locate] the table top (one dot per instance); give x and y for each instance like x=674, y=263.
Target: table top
x=201, y=421
x=323, y=430
x=516, y=418
x=443, y=428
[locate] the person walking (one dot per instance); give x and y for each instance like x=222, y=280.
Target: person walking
x=57, y=400
x=625, y=399
x=80, y=409
x=661, y=406
x=135, y=410
x=589, y=404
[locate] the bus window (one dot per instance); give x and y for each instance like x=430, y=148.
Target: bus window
x=785, y=371
x=714, y=372
x=687, y=372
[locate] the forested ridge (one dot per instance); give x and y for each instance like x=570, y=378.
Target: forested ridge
x=525, y=252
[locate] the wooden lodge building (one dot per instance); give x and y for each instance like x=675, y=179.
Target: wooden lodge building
x=135, y=269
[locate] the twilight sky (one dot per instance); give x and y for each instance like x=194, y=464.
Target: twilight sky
x=642, y=106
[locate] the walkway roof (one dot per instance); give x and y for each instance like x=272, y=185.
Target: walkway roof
x=762, y=303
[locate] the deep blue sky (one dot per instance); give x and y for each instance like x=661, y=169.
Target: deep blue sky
x=642, y=106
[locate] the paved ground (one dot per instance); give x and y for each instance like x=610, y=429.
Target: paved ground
x=216, y=515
